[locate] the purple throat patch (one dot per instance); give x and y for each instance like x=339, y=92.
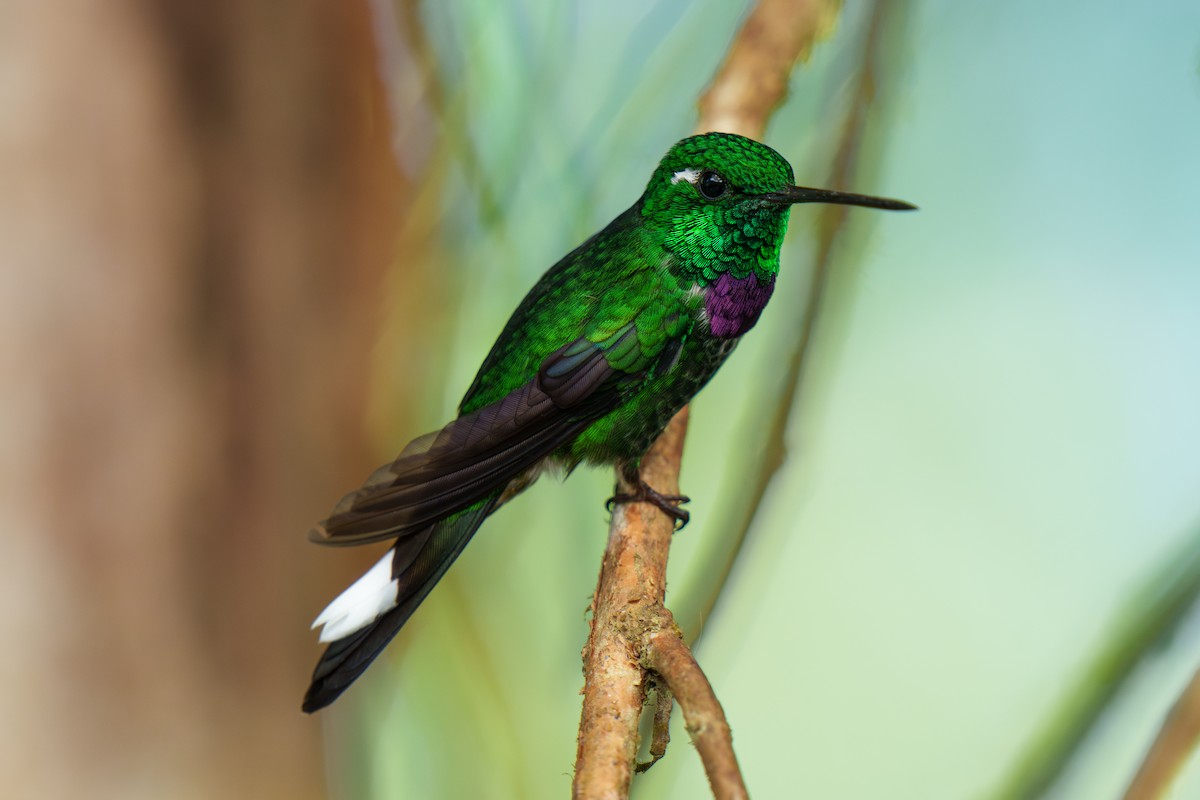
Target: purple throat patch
x=733, y=305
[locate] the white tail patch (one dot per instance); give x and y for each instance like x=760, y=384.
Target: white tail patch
x=367, y=599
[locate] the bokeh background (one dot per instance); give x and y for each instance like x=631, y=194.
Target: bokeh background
x=248, y=250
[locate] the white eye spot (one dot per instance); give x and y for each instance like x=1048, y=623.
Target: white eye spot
x=689, y=175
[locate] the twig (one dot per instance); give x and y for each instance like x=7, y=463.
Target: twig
x=668, y=655
x=661, y=732
x=1150, y=616
x=1175, y=742
x=632, y=632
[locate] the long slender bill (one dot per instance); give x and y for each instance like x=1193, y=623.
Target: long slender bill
x=803, y=194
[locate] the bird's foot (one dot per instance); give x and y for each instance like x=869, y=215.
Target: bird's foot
x=666, y=503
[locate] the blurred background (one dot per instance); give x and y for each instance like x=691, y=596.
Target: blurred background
x=248, y=250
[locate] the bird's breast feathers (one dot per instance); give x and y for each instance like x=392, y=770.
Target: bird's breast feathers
x=732, y=305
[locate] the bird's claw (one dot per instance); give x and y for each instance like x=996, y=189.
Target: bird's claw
x=666, y=503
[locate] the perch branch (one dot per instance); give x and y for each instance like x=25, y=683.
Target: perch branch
x=632, y=633
x=628, y=602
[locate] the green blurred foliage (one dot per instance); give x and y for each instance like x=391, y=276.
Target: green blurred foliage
x=993, y=448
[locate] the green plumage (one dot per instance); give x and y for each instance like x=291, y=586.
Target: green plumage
x=617, y=293
x=640, y=271
x=612, y=341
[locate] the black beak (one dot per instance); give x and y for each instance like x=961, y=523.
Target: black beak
x=801, y=194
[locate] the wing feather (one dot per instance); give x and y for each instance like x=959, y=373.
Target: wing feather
x=489, y=446
x=480, y=452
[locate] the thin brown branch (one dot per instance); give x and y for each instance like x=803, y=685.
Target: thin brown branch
x=752, y=81
x=661, y=731
x=668, y=655
x=627, y=611
x=1176, y=740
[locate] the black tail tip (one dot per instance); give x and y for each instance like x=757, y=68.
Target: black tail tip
x=318, y=696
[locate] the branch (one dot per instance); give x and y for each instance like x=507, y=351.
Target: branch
x=632, y=632
x=1150, y=616
x=627, y=605
x=1175, y=742
x=668, y=655
x=661, y=731
x=752, y=81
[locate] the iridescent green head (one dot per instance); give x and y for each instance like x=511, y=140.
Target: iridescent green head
x=720, y=203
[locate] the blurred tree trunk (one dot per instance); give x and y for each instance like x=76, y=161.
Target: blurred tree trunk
x=198, y=203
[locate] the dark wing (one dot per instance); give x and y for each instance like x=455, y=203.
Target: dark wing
x=481, y=452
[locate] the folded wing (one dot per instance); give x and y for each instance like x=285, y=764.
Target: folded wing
x=479, y=453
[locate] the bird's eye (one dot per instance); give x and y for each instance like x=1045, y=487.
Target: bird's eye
x=711, y=185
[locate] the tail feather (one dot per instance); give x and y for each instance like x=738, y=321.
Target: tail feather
x=417, y=562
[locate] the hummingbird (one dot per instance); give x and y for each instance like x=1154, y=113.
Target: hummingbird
x=606, y=347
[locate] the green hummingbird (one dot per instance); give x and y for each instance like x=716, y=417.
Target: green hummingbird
x=612, y=341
